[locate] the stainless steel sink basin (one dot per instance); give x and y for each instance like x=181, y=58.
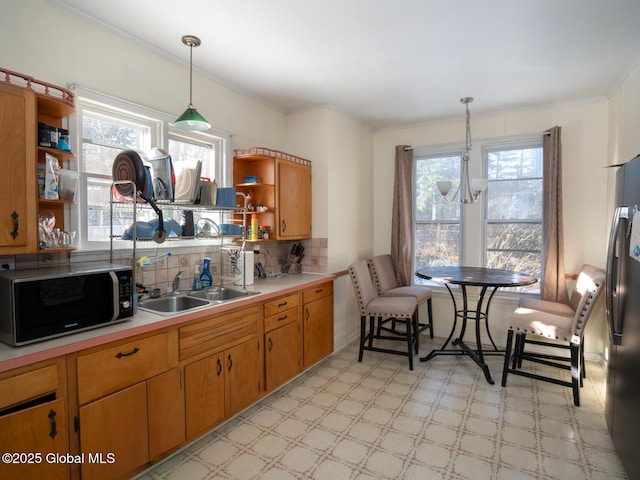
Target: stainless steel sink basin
x=221, y=294
x=172, y=304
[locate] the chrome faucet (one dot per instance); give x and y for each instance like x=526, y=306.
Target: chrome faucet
x=176, y=281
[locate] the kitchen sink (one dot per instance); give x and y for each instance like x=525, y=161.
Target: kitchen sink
x=171, y=304
x=220, y=294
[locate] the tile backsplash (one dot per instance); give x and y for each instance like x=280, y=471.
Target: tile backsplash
x=161, y=272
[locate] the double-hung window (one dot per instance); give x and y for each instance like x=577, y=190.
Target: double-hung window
x=105, y=126
x=502, y=230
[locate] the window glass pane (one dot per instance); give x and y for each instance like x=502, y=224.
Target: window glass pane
x=430, y=206
x=515, y=199
x=437, y=245
x=186, y=153
x=103, y=137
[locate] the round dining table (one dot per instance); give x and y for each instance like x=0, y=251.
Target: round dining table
x=489, y=280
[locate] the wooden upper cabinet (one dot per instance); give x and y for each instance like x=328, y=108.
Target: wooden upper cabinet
x=293, y=202
x=283, y=186
x=25, y=101
x=18, y=223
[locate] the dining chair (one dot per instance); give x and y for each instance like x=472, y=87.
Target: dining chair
x=387, y=285
x=561, y=326
x=382, y=309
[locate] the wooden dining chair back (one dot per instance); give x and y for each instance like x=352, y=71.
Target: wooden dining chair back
x=378, y=310
x=560, y=326
x=384, y=275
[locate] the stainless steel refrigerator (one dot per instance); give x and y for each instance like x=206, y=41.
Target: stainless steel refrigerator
x=622, y=408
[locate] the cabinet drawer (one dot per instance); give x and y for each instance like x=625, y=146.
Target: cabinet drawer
x=281, y=304
x=317, y=292
x=281, y=319
x=219, y=332
x=27, y=386
x=114, y=368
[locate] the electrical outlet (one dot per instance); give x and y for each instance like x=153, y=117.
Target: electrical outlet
x=7, y=263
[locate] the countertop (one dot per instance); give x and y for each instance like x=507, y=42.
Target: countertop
x=144, y=322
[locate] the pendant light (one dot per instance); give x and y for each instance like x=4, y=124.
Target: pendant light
x=468, y=190
x=191, y=119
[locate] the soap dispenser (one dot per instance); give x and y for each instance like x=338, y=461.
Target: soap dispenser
x=206, y=279
x=197, y=284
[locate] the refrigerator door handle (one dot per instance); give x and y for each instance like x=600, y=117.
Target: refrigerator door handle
x=611, y=286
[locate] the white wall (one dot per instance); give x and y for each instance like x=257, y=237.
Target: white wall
x=584, y=143
x=53, y=44
x=342, y=210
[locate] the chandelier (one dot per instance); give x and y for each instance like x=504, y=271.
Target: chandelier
x=468, y=190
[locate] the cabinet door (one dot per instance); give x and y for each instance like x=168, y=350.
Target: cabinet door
x=242, y=384
x=41, y=429
x=18, y=179
x=282, y=354
x=115, y=425
x=294, y=200
x=166, y=412
x=204, y=392
x=318, y=330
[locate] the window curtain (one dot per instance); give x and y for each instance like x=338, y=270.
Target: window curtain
x=554, y=287
x=402, y=215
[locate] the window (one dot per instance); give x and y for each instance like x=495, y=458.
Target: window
x=438, y=228
x=514, y=210
x=503, y=229
x=106, y=126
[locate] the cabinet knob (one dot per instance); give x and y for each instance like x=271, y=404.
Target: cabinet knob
x=219, y=367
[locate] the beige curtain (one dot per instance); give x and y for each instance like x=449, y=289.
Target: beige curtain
x=401, y=217
x=554, y=287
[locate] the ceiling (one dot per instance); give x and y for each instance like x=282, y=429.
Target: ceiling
x=392, y=63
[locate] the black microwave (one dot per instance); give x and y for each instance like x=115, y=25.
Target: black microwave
x=42, y=303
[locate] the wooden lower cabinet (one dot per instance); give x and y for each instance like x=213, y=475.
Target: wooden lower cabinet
x=204, y=392
x=165, y=412
x=282, y=355
x=116, y=428
x=243, y=383
x=38, y=435
x=33, y=421
x=317, y=314
x=221, y=385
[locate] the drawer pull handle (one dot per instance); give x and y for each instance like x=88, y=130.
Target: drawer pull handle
x=230, y=362
x=270, y=344
x=132, y=352
x=283, y=318
x=219, y=367
x=319, y=290
x=14, y=233
x=308, y=313
x=283, y=304
x=52, y=419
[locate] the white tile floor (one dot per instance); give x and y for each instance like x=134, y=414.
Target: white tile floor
x=378, y=420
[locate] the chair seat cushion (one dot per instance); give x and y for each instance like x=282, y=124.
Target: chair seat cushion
x=549, y=325
x=387, y=307
x=546, y=306
x=421, y=294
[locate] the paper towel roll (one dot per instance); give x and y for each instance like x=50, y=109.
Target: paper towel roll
x=245, y=265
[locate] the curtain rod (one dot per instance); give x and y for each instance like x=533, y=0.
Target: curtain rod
x=406, y=149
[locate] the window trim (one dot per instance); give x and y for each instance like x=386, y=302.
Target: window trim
x=162, y=123
x=474, y=214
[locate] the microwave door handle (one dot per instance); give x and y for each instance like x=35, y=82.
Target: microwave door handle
x=116, y=296
x=613, y=297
